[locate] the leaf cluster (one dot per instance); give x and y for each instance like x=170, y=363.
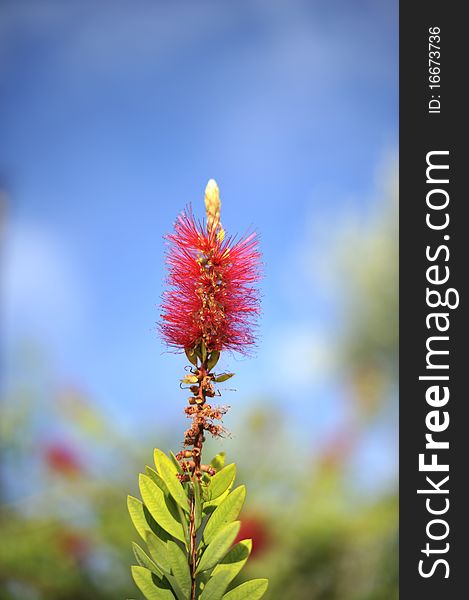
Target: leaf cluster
x=166, y=570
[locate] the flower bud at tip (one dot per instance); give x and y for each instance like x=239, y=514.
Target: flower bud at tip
x=213, y=205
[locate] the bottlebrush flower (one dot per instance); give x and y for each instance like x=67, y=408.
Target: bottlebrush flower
x=212, y=296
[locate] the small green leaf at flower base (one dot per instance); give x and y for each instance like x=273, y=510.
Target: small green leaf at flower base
x=188, y=379
x=226, y=570
x=221, y=481
x=168, y=472
x=250, y=590
x=224, y=377
x=203, y=351
x=213, y=359
x=225, y=513
x=218, y=546
x=150, y=586
x=191, y=356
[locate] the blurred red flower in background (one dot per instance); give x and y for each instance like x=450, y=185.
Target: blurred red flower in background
x=74, y=545
x=254, y=527
x=62, y=459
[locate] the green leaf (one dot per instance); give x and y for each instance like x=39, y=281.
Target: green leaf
x=183, y=518
x=155, y=501
x=213, y=359
x=210, y=506
x=228, y=511
x=221, y=481
x=174, y=508
x=153, y=475
x=226, y=570
x=158, y=550
x=175, y=587
x=201, y=581
x=168, y=471
x=145, y=561
x=141, y=518
x=218, y=547
x=198, y=503
x=223, y=377
x=203, y=351
x=191, y=355
x=218, y=461
x=150, y=586
x=180, y=577
x=250, y=590
x=175, y=462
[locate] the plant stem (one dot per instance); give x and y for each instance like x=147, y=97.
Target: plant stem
x=193, y=546
x=195, y=477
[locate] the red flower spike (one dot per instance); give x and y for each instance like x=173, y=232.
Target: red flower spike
x=212, y=296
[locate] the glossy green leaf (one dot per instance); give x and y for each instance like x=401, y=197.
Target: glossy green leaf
x=218, y=461
x=153, y=475
x=226, y=570
x=175, y=462
x=175, y=587
x=145, y=561
x=158, y=549
x=198, y=503
x=221, y=481
x=168, y=472
x=141, y=518
x=154, y=499
x=250, y=590
x=203, y=351
x=191, y=356
x=225, y=513
x=174, y=508
x=218, y=546
x=182, y=518
x=180, y=577
x=213, y=359
x=209, y=507
x=223, y=377
x=150, y=586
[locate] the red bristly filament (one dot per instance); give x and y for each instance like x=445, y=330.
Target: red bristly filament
x=212, y=296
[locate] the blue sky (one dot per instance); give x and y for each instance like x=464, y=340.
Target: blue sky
x=114, y=116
